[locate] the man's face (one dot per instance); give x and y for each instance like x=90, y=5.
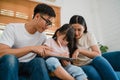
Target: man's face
x=44, y=22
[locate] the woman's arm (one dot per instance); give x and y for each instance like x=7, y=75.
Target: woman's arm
x=95, y=51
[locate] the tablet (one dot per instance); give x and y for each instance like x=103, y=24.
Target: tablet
x=64, y=58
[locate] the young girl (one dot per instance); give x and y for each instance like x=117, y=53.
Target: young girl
x=63, y=44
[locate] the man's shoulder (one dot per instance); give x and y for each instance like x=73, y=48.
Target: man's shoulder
x=16, y=24
x=13, y=26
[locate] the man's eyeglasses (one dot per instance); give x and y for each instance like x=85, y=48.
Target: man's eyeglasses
x=48, y=22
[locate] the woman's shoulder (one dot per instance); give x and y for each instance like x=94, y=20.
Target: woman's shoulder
x=88, y=34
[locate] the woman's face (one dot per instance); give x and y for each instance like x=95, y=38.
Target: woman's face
x=79, y=30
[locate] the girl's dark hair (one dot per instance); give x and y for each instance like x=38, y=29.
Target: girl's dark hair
x=80, y=20
x=70, y=36
x=44, y=9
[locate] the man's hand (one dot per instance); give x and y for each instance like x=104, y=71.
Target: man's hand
x=41, y=50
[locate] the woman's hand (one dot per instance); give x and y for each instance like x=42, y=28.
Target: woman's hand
x=75, y=54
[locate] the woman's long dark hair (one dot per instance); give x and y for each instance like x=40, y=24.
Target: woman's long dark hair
x=70, y=36
x=79, y=20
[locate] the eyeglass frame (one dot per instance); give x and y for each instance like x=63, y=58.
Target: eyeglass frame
x=48, y=22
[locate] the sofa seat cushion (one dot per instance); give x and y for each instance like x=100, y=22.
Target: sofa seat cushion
x=23, y=78
x=118, y=74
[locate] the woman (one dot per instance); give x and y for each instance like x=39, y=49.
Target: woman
x=87, y=47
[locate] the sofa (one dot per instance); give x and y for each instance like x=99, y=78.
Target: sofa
x=105, y=67
x=114, y=59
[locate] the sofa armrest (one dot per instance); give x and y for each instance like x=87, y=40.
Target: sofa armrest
x=104, y=68
x=113, y=58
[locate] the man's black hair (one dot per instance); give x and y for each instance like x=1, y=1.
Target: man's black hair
x=44, y=9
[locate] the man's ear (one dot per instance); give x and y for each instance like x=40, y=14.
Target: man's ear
x=37, y=16
x=58, y=33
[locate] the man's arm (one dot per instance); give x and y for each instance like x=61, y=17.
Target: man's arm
x=40, y=50
x=5, y=49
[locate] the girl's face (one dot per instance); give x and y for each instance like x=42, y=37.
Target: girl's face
x=61, y=39
x=79, y=30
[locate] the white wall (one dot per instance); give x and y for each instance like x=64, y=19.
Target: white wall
x=109, y=14
x=102, y=17
x=86, y=8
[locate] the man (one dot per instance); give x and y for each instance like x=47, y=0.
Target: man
x=24, y=40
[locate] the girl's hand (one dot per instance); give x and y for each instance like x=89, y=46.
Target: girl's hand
x=65, y=63
x=64, y=55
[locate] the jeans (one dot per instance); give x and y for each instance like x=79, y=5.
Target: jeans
x=104, y=68
x=34, y=70
x=8, y=68
x=52, y=64
x=75, y=71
